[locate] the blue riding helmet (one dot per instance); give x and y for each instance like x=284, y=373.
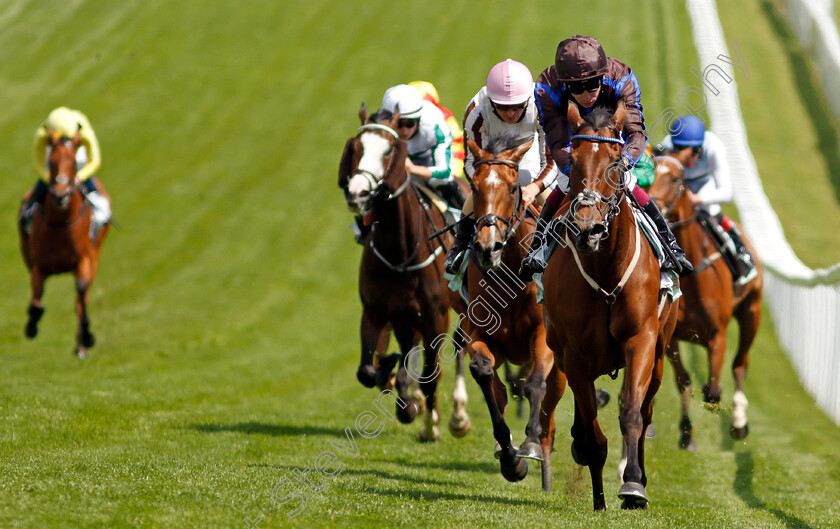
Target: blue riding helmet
x=687, y=131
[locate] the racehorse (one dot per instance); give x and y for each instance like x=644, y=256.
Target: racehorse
x=400, y=279
x=506, y=322
x=59, y=241
x=710, y=299
x=604, y=310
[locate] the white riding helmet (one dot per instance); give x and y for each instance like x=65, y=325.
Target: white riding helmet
x=405, y=98
x=510, y=83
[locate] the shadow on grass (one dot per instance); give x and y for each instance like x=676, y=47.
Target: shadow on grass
x=744, y=489
x=426, y=495
x=253, y=427
x=810, y=92
x=488, y=467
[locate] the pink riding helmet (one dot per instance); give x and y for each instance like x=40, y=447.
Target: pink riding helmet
x=510, y=83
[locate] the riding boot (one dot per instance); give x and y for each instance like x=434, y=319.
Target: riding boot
x=101, y=206
x=451, y=193
x=39, y=192
x=741, y=257
x=680, y=264
x=536, y=261
x=464, y=231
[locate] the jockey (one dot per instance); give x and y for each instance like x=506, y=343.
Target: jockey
x=429, y=93
x=710, y=185
x=584, y=76
x=429, y=140
x=503, y=112
x=67, y=123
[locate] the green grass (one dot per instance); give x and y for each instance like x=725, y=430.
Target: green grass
x=226, y=309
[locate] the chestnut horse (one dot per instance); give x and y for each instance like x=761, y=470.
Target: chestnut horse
x=603, y=305
x=710, y=299
x=506, y=322
x=401, y=281
x=58, y=240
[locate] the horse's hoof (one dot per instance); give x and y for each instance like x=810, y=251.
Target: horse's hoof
x=530, y=450
x=687, y=443
x=650, y=432
x=409, y=413
x=367, y=376
x=602, y=397
x=426, y=437
x=633, y=496
x=81, y=352
x=740, y=433
x=708, y=397
x=386, y=366
x=497, y=450
x=515, y=472
x=87, y=339
x=459, y=427
x=578, y=456
x=31, y=330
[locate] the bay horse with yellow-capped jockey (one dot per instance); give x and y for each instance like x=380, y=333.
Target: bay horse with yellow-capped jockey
x=59, y=239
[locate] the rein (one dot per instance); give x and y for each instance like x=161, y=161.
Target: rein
x=85, y=205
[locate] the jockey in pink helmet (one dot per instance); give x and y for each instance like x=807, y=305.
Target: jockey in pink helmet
x=500, y=116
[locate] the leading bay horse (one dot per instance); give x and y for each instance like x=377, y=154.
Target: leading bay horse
x=710, y=299
x=401, y=281
x=603, y=306
x=505, y=321
x=58, y=239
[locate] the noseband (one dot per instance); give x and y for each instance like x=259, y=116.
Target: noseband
x=491, y=219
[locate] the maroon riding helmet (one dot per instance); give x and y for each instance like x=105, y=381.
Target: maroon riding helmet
x=580, y=58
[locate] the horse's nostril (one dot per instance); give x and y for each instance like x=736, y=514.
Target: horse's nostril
x=498, y=246
x=364, y=194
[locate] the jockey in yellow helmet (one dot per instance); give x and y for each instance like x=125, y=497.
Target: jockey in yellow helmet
x=67, y=122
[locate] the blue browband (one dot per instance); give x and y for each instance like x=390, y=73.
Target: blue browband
x=598, y=138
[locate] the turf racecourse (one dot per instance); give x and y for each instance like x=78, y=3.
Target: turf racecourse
x=226, y=309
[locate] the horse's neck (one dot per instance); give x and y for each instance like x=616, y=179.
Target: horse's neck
x=396, y=230
x=690, y=235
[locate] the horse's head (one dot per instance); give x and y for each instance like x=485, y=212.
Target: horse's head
x=62, y=163
x=668, y=186
x=373, y=161
x=496, y=199
x=596, y=180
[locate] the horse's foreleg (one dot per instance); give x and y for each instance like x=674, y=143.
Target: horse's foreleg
x=371, y=330
x=36, y=309
x=483, y=370
x=683, y=381
x=535, y=389
x=748, y=316
x=433, y=339
x=717, y=351
x=555, y=387
x=84, y=338
x=459, y=421
x=589, y=444
x=407, y=339
x=639, y=373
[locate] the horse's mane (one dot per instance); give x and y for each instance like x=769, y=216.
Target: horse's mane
x=381, y=115
x=599, y=118
x=501, y=144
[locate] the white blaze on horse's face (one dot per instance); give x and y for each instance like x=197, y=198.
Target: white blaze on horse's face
x=371, y=167
x=489, y=239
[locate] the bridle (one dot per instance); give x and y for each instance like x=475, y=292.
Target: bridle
x=491, y=219
x=591, y=197
x=669, y=206
x=376, y=184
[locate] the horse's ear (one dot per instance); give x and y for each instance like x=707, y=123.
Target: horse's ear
x=363, y=113
x=476, y=151
x=517, y=153
x=396, y=168
x=573, y=115
x=617, y=121
x=77, y=139
x=395, y=119
x=683, y=155
x=345, y=167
